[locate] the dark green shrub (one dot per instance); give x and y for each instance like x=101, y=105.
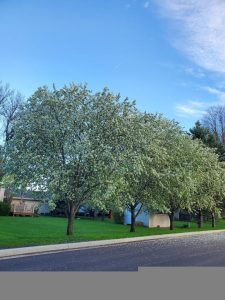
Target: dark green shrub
x=60, y=209
x=139, y=223
x=118, y=217
x=186, y=225
x=4, y=209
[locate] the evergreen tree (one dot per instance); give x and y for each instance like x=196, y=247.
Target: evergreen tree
x=208, y=138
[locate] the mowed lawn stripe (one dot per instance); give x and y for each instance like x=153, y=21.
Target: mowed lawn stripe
x=28, y=231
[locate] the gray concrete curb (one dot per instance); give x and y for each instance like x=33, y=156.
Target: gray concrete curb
x=60, y=247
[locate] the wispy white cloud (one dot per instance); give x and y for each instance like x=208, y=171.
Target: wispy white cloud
x=116, y=67
x=201, y=28
x=198, y=108
x=137, y=3
x=146, y=4
x=195, y=72
x=127, y=5
x=218, y=93
x=192, y=109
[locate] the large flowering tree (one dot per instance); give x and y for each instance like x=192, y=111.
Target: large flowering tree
x=69, y=141
x=193, y=179
x=145, y=161
x=209, y=177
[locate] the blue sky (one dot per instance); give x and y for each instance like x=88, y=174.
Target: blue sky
x=167, y=55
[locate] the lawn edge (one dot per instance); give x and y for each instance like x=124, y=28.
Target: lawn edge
x=12, y=252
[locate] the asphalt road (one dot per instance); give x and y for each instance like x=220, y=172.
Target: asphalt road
x=201, y=250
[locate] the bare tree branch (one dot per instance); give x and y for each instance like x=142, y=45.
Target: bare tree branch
x=10, y=103
x=214, y=120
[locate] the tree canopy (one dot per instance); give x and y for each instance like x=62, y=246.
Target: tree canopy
x=97, y=148
x=68, y=141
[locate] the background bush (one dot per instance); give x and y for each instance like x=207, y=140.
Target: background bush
x=118, y=217
x=139, y=223
x=4, y=209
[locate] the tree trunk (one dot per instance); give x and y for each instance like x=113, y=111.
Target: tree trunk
x=213, y=220
x=171, y=216
x=200, y=219
x=133, y=217
x=103, y=216
x=70, y=215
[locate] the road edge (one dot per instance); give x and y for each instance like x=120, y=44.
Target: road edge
x=7, y=253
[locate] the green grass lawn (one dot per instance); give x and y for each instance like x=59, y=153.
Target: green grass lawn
x=28, y=231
